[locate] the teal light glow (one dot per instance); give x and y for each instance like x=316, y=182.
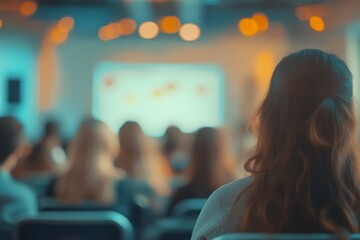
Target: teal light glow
x=189, y=96
x=18, y=59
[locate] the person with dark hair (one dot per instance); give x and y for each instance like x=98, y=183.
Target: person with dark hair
x=45, y=161
x=16, y=200
x=210, y=167
x=172, y=141
x=147, y=172
x=175, y=151
x=305, y=166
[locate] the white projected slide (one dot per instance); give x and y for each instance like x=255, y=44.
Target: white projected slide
x=159, y=95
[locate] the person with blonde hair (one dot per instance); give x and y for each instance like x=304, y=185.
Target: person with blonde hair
x=91, y=174
x=305, y=167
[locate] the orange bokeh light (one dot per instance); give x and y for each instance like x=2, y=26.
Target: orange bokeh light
x=148, y=30
x=118, y=29
x=58, y=36
x=317, y=23
x=128, y=26
x=107, y=33
x=261, y=20
x=170, y=24
x=190, y=32
x=1, y=23
x=66, y=24
x=248, y=27
x=28, y=8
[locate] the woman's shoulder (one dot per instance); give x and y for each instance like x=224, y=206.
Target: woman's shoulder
x=222, y=211
x=227, y=195
x=234, y=187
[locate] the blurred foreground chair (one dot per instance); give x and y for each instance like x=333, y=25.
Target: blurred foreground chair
x=71, y=225
x=260, y=236
x=189, y=208
x=181, y=223
x=170, y=229
x=52, y=204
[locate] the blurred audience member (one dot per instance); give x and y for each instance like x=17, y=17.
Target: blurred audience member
x=16, y=200
x=175, y=152
x=210, y=167
x=45, y=161
x=148, y=174
x=91, y=175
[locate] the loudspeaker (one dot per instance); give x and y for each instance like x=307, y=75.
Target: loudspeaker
x=13, y=91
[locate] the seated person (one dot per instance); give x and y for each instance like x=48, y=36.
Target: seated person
x=90, y=174
x=16, y=200
x=175, y=151
x=45, y=161
x=305, y=167
x=209, y=167
x=147, y=172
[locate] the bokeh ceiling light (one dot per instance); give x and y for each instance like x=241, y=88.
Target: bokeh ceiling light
x=190, y=32
x=28, y=8
x=170, y=24
x=261, y=20
x=66, y=24
x=107, y=33
x=317, y=23
x=116, y=29
x=148, y=30
x=248, y=27
x=128, y=26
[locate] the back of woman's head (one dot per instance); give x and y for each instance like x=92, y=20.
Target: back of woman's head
x=93, y=138
x=209, y=159
x=173, y=138
x=206, y=146
x=305, y=166
x=140, y=158
x=91, y=156
x=131, y=138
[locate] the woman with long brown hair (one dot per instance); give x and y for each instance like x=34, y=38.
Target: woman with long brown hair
x=210, y=167
x=305, y=167
x=91, y=175
x=147, y=172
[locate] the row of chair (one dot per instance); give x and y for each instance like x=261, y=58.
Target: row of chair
x=107, y=225
x=94, y=225
x=262, y=236
x=68, y=225
x=89, y=221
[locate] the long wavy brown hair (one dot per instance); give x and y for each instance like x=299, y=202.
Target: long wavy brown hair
x=305, y=167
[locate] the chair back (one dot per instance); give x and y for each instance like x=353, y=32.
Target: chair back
x=71, y=225
x=52, y=204
x=170, y=229
x=190, y=208
x=300, y=236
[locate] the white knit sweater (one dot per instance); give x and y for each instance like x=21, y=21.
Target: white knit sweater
x=220, y=215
